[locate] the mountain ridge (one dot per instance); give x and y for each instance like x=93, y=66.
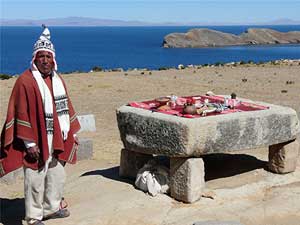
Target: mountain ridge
x=89, y=21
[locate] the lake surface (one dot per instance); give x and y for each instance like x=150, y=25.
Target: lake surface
x=82, y=48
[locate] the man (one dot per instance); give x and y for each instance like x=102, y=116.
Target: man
x=39, y=134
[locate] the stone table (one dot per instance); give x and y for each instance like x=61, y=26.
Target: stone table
x=145, y=133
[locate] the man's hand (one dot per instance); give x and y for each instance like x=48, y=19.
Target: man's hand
x=34, y=152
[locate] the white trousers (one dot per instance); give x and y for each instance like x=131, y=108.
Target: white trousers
x=43, y=190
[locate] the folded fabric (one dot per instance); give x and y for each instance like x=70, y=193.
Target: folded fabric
x=153, y=178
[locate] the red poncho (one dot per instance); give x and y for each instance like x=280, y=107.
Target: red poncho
x=25, y=121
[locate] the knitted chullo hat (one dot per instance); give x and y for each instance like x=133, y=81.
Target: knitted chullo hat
x=44, y=44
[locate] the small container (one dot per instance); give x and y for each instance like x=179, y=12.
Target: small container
x=226, y=101
x=233, y=101
x=162, y=100
x=189, y=108
x=233, y=95
x=172, y=102
x=198, y=103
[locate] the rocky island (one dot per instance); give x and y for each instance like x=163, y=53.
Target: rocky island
x=202, y=37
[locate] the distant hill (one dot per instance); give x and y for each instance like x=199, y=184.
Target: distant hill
x=78, y=21
x=86, y=21
x=284, y=21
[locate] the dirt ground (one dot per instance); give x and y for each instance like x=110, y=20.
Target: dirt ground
x=243, y=189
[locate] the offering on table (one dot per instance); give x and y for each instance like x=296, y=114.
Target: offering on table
x=189, y=108
x=163, y=100
x=164, y=107
x=197, y=106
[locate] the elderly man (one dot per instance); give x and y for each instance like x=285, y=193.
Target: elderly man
x=39, y=134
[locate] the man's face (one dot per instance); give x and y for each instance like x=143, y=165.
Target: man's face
x=44, y=62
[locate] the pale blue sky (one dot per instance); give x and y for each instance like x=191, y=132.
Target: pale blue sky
x=220, y=11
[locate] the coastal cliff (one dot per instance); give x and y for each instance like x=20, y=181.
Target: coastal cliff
x=198, y=38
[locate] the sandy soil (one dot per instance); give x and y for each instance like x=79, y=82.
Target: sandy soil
x=244, y=191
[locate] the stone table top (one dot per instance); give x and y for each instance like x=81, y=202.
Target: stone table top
x=151, y=132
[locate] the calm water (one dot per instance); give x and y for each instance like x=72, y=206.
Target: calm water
x=82, y=48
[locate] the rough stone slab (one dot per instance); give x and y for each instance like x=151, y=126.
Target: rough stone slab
x=85, y=149
x=131, y=162
x=212, y=222
x=283, y=157
x=157, y=133
x=87, y=122
x=186, y=178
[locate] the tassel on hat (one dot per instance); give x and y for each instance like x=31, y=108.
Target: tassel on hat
x=44, y=43
x=46, y=33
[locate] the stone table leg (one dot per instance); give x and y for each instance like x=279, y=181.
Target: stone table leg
x=283, y=156
x=186, y=178
x=131, y=162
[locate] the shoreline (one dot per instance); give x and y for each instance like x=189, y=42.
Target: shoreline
x=179, y=67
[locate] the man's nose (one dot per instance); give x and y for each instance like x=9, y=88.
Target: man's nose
x=45, y=60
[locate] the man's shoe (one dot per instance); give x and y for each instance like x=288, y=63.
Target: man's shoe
x=62, y=213
x=37, y=222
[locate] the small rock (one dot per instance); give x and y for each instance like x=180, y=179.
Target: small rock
x=289, y=82
x=210, y=194
x=210, y=93
x=180, y=66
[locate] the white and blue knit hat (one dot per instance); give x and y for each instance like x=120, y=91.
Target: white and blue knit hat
x=44, y=44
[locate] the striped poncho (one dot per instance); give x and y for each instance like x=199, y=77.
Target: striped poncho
x=26, y=121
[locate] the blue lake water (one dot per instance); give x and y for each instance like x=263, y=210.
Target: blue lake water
x=82, y=48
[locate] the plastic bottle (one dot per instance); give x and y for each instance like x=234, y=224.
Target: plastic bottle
x=173, y=101
x=226, y=101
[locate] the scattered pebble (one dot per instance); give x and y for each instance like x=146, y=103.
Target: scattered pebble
x=210, y=194
x=289, y=82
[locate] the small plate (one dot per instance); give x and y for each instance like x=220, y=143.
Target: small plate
x=162, y=99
